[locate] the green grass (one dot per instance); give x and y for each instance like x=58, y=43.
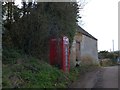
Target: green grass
x=32, y=74
x=81, y=70
x=22, y=71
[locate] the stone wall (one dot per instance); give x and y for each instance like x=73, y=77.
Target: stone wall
x=75, y=49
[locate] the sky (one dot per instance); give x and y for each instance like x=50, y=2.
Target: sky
x=100, y=19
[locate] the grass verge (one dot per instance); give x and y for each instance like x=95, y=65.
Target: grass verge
x=22, y=71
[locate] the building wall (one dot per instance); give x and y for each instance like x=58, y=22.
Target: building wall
x=85, y=51
x=75, y=52
x=89, y=48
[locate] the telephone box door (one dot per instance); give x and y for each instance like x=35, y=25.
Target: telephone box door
x=60, y=59
x=65, y=54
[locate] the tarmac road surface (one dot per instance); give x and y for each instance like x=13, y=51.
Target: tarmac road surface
x=106, y=77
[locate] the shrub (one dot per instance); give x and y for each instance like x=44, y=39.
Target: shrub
x=9, y=56
x=30, y=73
x=107, y=62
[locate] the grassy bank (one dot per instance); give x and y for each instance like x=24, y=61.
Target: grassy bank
x=22, y=71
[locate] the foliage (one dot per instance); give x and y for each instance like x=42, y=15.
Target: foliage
x=30, y=28
x=106, y=54
x=106, y=62
x=10, y=58
x=108, y=58
x=29, y=72
x=77, y=72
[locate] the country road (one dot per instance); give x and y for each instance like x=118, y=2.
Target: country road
x=106, y=77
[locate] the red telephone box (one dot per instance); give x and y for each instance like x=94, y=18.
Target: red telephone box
x=59, y=53
x=53, y=53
